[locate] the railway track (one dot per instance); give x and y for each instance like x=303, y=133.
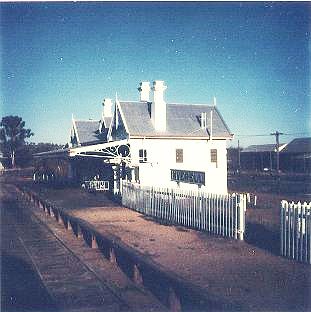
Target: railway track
x=75, y=277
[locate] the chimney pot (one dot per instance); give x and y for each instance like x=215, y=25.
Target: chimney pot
x=107, y=103
x=144, y=89
x=158, y=107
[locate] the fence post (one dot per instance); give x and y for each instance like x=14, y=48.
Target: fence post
x=241, y=212
x=308, y=234
x=295, y=230
x=282, y=227
x=173, y=301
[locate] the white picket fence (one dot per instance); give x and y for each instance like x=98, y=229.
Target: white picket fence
x=218, y=214
x=296, y=230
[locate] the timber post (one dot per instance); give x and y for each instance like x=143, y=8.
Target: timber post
x=173, y=301
x=68, y=227
x=79, y=233
x=137, y=277
x=112, y=256
x=94, y=244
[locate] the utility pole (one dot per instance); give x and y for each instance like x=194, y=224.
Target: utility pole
x=239, y=157
x=277, y=135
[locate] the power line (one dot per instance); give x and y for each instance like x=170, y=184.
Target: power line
x=301, y=133
x=267, y=135
x=251, y=135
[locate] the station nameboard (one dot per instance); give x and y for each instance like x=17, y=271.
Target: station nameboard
x=193, y=177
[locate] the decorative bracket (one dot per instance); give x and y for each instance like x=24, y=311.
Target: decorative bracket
x=110, y=153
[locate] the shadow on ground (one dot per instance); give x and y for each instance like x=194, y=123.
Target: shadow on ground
x=21, y=288
x=262, y=237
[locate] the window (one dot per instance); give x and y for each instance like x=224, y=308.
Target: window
x=142, y=155
x=179, y=155
x=136, y=174
x=214, y=156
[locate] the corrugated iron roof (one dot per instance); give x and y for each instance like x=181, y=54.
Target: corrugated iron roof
x=260, y=148
x=299, y=145
x=182, y=120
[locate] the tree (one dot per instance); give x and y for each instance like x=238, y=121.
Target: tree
x=12, y=136
x=43, y=147
x=25, y=156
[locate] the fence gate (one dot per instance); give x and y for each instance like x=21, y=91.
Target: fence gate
x=296, y=230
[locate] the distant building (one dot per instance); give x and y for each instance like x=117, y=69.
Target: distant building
x=296, y=156
x=152, y=143
x=259, y=157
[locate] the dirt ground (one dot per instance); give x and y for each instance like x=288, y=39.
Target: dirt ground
x=269, y=195
x=246, y=275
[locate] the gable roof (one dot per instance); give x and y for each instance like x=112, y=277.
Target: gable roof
x=182, y=120
x=299, y=145
x=88, y=131
x=107, y=121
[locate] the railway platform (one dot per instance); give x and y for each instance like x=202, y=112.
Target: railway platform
x=224, y=274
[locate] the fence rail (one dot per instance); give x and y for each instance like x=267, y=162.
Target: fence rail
x=296, y=230
x=218, y=214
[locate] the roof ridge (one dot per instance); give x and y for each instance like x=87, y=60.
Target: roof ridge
x=194, y=104
x=96, y=120
x=266, y=144
x=170, y=103
x=302, y=138
x=133, y=101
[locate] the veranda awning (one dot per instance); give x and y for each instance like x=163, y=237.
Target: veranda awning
x=111, y=152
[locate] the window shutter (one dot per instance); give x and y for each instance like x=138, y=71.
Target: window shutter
x=214, y=156
x=179, y=155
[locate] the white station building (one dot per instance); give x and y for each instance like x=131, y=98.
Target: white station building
x=149, y=142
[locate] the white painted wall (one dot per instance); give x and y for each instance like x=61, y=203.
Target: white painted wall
x=161, y=157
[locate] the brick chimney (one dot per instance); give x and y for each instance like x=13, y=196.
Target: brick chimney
x=144, y=89
x=158, y=106
x=107, y=103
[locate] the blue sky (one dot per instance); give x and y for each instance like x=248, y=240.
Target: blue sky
x=64, y=58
